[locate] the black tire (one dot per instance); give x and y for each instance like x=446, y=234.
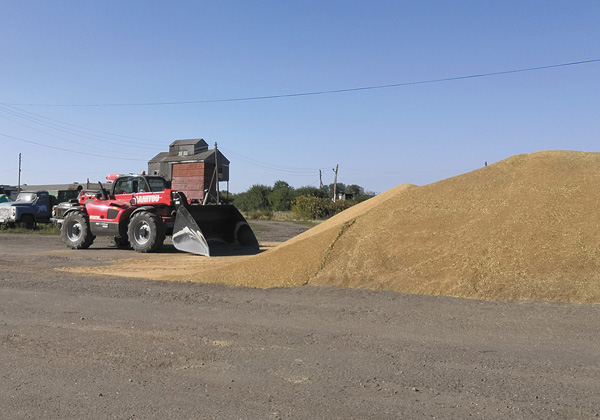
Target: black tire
x=75, y=231
x=146, y=232
x=27, y=221
x=121, y=242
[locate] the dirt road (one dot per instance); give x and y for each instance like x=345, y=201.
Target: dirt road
x=100, y=347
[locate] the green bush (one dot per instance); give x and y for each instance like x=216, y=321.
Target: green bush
x=310, y=192
x=305, y=203
x=318, y=208
x=256, y=198
x=281, y=198
x=260, y=215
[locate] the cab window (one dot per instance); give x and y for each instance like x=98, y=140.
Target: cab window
x=134, y=185
x=130, y=185
x=139, y=185
x=157, y=184
x=124, y=186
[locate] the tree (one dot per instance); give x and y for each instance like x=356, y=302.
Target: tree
x=355, y=190
x=256, y=198
x=339, y=189
x=309, y=191
x=281, y=184
x=281, y=197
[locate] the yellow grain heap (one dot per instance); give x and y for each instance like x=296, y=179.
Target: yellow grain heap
x=523, y=228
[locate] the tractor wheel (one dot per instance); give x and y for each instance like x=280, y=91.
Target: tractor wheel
x=75, y=231
x=27, y=221
x=146, y=232
x=121, y=242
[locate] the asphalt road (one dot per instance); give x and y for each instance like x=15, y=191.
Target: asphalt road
x=75, y=347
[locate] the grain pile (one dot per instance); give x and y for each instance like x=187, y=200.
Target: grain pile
x=523, y=228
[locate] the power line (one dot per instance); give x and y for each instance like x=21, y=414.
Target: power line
x=77, y=142
x=88, y=133
x=321, y=92
x=68, y=150
x=276, y=168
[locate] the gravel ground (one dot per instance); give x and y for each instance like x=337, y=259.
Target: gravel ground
x=99, y=347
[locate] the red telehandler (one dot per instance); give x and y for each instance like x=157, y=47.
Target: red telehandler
x=140, y=211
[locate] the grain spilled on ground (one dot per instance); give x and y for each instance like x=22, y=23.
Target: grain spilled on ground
x=524, y=228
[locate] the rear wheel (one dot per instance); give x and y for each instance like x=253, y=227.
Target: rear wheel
x=75, y=231
x=146, y=232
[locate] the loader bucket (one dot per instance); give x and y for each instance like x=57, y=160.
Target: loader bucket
x=212, y=230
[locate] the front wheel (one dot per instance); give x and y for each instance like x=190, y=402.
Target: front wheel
x=27, y=221
x=75, y=231
x=146, y=232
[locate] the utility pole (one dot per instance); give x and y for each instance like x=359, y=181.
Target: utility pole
x=321, y=186
x=217, y=172
x=19, y=185
x=335, y=182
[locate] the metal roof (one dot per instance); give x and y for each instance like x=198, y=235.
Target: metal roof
x=188, y=142
x=207, y=156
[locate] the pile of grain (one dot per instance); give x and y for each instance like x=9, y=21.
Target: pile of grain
x=523, y=228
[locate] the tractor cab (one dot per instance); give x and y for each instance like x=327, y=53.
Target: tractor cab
x=134, y=184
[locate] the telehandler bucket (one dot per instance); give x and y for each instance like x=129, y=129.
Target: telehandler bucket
x=212, y=229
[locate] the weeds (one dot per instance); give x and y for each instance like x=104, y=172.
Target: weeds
x=40, y=229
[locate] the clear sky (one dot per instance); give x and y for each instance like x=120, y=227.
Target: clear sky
x=90, y=88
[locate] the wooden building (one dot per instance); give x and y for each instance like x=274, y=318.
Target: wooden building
x=190, y=167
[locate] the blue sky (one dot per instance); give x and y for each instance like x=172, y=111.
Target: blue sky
x=90, y=88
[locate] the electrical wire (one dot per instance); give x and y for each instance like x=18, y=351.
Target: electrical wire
x=275, y=168
x=88, y=133
x=85, y=128
x=77, y=142
x=321, y=92
x=69, y=150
